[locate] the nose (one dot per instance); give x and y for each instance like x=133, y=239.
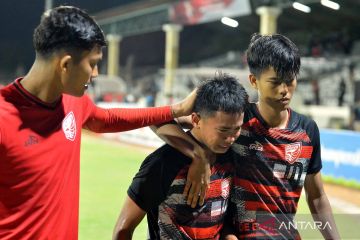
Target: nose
x=95, y=72
x=231, y=138
x=284, y=89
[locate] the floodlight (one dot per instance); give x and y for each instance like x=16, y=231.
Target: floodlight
x=330, y=4
x=229, y=22
x=301, y=7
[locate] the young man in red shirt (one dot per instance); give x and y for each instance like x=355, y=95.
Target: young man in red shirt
x=276, y=155
x=41, y=117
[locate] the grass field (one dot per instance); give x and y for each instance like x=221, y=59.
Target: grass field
x=107, y=169
x=106, y=172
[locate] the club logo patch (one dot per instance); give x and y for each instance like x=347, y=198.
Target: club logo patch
x=292, y=152
x=69, y=126
x=256, y=146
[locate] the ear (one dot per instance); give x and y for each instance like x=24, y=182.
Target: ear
x=195, y=120
x=253, y=81
x=65, y=63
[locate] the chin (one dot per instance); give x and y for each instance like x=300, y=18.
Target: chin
x=221, y=150
x=284, y=107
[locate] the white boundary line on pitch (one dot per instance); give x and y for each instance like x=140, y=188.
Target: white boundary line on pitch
x=343, y=206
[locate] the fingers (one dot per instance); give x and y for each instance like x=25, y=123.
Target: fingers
x=204, y=187
x=187, y=188
x=196, y=195
x=198, y=180
x=191, y=194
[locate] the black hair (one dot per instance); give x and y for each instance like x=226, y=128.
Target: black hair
x=66, y=28
x=221, y=93
x=275, y=51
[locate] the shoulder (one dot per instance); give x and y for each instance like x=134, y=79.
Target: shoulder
x=3, y=121
x=81, y=106
x=7, y=105
x=305, y=121
x=300, y=122
x=164, y=157
x=150, y=185
x=250, y=112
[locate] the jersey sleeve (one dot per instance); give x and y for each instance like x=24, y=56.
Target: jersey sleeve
x=315, y=164
x=1, y=133
x=103, y=120
x=88, y=108
x=151, y=184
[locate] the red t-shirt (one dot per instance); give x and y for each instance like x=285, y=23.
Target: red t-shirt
x=39, y=159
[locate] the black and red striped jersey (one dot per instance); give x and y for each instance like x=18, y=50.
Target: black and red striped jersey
x=158, y=186
x=271, y=166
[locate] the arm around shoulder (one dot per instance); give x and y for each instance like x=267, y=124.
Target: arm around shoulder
x=198, y=177
x=185, y=107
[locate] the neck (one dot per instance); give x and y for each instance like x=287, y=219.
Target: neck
x=42, y=81
x=273, y=117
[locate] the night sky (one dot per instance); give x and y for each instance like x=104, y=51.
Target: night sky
x=18, y=20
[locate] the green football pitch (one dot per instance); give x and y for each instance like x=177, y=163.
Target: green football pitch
x=107, y=169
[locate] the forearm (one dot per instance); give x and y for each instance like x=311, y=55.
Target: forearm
x=123, y=235
x=198, y=177
x=321, y=211
x=174, y=135
x=117, y=120
x=130, y=217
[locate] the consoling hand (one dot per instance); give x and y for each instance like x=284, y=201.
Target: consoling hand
x=198, y=178
x=185, y=107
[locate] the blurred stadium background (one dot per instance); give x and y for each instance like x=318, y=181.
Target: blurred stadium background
x=160, y=49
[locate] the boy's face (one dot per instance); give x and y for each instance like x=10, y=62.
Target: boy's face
x=79, y=74
x=219, y=131
x=272, y=90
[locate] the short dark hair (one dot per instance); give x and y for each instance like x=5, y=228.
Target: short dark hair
x=66, y=28
x=275, y=51
x=221, y=93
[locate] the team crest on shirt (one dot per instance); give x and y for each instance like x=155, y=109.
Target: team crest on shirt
x=69, y=126
x=256, y=146
x=225, y=188
x=292, y=152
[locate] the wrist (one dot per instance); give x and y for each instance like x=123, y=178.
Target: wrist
x=175, y=111
x=199, y=154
